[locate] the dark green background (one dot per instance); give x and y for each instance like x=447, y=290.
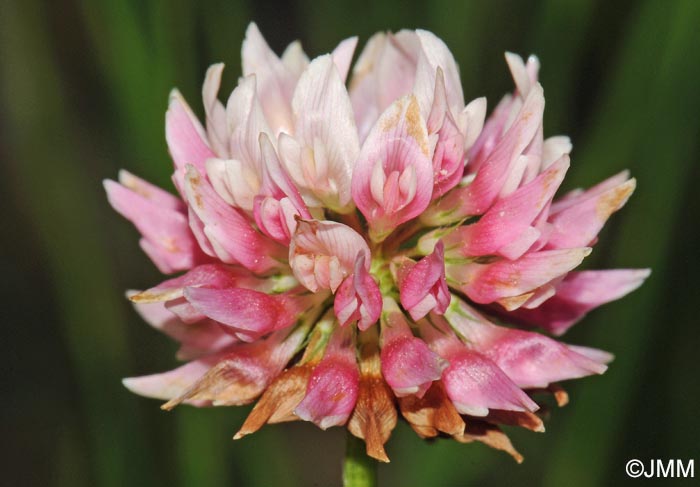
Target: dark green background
x=83, y=90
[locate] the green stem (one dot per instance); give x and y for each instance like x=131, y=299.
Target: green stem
x=359, y=470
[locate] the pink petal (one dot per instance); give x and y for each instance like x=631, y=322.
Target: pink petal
x=215, y=276
x=492, y=174
x=185, y=136
x=252, y=312
x=579, y=293
x=529, y=359
x=510, y=217
x=580, y=223
x=476, y=384
x=322, y=253
x=473, y=382
x=358, y=297
x=167, y=238
x=334, y=384
x=423, y=288
x=408, y=365
x=151, y=192
x=227, y=229
x=486, y=283
x=392, y=181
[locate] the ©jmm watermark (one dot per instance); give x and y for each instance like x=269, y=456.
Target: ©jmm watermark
x=657, y=468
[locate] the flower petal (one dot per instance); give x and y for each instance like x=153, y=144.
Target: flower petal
x=358, y=297
x=408, y=365
x=423, y=288
x=322, y=253
x=252, y=312
x=397, y=147
x=579, y=293
x=275, y=80
x=327, y=137
x=333, y=387
x=167, y=238
x=486, y=283
x=232, y=237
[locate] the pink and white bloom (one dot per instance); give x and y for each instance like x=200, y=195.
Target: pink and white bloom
x=342, y=253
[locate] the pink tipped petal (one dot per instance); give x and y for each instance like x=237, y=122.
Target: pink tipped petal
x=398, y=149
x=214, y=276
x=408, y=365
x=247, y=310
x=322, y=253
x=579, y=293
x=580, y=223
x=492, y=174
x=511, y=217
x=185, y=135
x=476, y=384
x=231, y=236
x=486, y=283
x=276, y=82
x=154, y=194
x=358, y=298
x=167, y=238
x=423, y=288
x=334, y=384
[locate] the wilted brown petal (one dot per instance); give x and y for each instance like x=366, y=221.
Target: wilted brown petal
x=490, y=435
x=278, y=401
x=375, y=415
x=523, y=419
x=225, y=384
x=432, y=413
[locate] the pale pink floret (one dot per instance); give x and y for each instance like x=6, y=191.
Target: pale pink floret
x=358, y=298
x=321, y=153
x=298, y=194
x=334, y=384
x=322, y=253
x=408, y=365
x=422, y=285
x=393, y=177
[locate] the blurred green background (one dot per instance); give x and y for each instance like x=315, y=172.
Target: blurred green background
x=83, y=90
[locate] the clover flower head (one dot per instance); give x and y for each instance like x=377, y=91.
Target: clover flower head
x=346, y=256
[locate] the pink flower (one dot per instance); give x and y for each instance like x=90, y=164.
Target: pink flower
x=343, y=254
